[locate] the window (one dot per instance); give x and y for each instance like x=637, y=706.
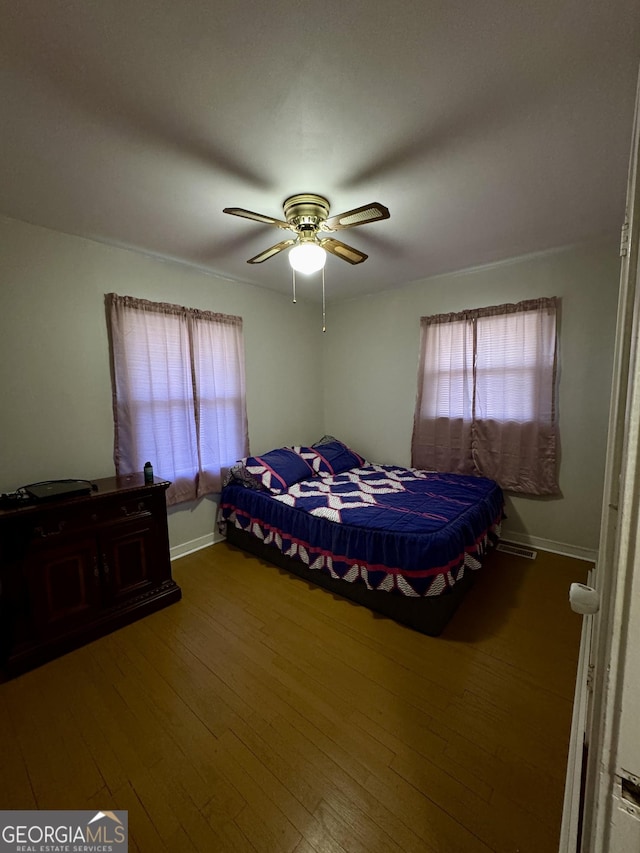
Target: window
x=486, y=395
x=179, y=393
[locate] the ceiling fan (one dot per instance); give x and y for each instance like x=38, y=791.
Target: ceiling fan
x=307, y=216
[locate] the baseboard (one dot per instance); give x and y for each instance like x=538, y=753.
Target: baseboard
x=185, y=548
x=587, y=554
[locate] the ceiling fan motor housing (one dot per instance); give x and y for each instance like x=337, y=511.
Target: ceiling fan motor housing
x=305, y=212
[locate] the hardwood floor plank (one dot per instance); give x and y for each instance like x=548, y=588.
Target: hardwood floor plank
x=371, y=818
x=241, y=768
x=276, y=789
x=480, y=726
x=516, y=829
x=352, y=830
x=44, y=735
x=282, y=762
x=325, y=845
x=141, y=828
x=16, y=790
x=511, y=776
x=330, y=784
x=360, y=795
x=436, y=828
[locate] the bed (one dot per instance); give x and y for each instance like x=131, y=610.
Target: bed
x=403, y=542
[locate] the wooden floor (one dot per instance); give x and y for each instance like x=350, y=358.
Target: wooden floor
x=263, y=714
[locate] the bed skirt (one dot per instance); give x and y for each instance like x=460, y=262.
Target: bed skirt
x=428, y=614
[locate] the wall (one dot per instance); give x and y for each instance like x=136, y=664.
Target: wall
x=56, y=418
x=371, y=360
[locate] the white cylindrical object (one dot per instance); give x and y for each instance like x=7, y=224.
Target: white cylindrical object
x=584, y=599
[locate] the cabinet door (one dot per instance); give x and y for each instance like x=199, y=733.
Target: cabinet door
x=130, y=559
x=64, y=585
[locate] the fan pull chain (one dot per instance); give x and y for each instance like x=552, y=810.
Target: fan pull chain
x=324, y=303
x=324, y=313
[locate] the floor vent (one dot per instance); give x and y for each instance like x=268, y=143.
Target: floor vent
x=517, y=550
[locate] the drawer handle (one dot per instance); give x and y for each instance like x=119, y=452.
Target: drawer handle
x=96, y=567
x=55, y=531
x=140, y=508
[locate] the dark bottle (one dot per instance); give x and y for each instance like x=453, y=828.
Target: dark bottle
x=148, y=472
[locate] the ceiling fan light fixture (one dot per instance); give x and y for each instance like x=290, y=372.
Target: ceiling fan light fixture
x=307, y=257
x=307, y=215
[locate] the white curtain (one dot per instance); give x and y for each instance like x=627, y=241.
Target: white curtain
x=178, y=393
x=486, y=399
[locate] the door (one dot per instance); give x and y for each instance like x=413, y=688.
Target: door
x=611, y=802
x=130, y=558
x=64, y=586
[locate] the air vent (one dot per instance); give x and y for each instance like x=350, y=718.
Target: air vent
x=517, y=550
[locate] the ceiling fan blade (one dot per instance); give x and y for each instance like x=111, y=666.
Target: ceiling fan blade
x=256, y=217
x=342, y=251
x=269, y=253
x=358, y=216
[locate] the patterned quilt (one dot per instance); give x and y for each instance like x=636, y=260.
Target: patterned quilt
x=395, y=529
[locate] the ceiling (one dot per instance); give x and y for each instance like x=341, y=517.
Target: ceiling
x=489, y=128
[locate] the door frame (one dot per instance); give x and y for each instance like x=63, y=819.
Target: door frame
x=606, y=815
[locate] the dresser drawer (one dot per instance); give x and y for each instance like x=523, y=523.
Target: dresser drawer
x=51, y=523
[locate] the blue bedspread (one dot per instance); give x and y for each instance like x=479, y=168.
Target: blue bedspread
x=395, y=529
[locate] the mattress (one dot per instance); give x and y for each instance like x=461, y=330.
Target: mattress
x=400, y=530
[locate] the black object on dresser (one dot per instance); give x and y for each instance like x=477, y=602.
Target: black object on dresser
x=75, y=569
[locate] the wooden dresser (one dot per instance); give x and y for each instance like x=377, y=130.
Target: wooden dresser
x=74, y=569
